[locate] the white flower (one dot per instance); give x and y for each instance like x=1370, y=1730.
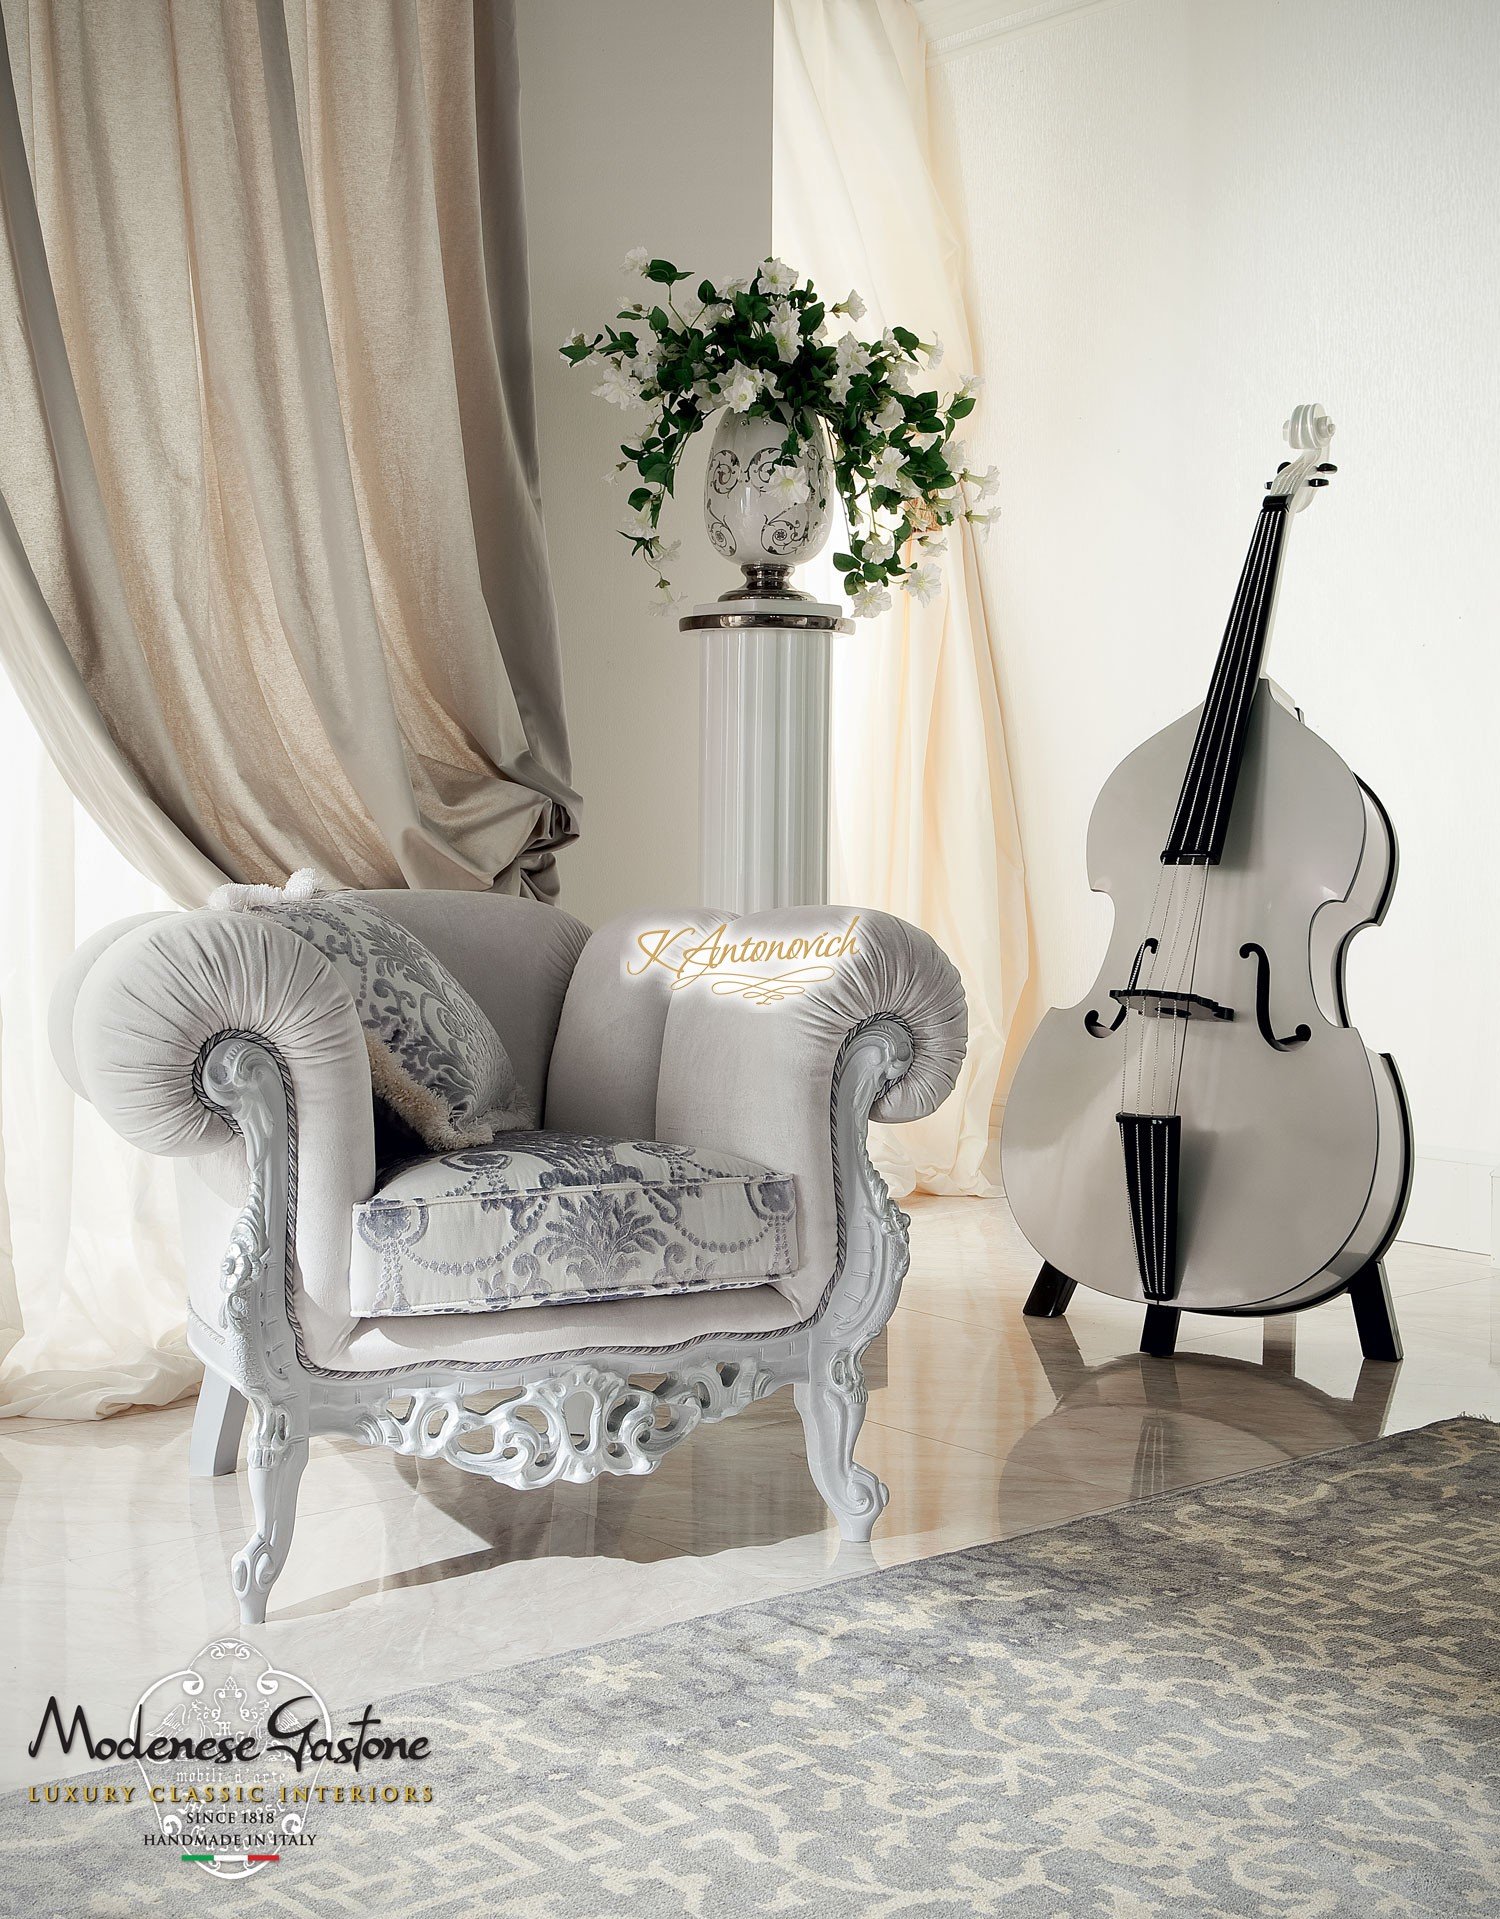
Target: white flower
x=934, y=352
x=643, y=366
x=908, y=486
x=968, y=386
x=878, y=548
x=740, y=388
x=888, y=464
x=892, y=346
x=618, y=385
x=706, y=395
x=853, y=306
x=732, y=287
x=637, y=524
x=869, y=600
x=850, y=354
x=899, y=375
x=925, y=440
x=612, y=474
x=839, y=385
x=777, y=277
x=715, y=312
x=663, y=599
x=983, y=521
x=664, y=555
x=956, y=453
x=933, y=543
x=786, y=333
x=637, y=260
x=922, y=582
x=786, y=487
x=891, y=416
x=985, y=483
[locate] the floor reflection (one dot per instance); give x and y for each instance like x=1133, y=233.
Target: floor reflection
x=1135, y=1426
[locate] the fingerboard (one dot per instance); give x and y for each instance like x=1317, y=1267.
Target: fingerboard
x=1201, y=821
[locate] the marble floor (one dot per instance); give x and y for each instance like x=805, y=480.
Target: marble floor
x=984, y=1424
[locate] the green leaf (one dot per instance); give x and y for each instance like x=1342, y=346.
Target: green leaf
x=664, y=273
x=961, y=407
x=706, y=292
x=844, y=561
x=641, y=497
x=905, y=339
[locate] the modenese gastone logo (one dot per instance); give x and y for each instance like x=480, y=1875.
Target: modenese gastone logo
x=232, y=1751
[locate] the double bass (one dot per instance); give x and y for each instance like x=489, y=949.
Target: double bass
x=1207, y=1131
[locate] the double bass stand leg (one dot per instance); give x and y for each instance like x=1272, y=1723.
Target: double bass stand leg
x=1159, y=1334
x=1374, y=1314
x=1369, y=1293
x=1049, y=1295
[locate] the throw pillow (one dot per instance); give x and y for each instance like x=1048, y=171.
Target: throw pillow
x=435, y=1059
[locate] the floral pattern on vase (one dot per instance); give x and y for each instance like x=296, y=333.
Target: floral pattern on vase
x=746, y=521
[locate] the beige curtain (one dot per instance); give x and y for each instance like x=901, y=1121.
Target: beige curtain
x=273, y=583
x=923, y=821
x=273, y=586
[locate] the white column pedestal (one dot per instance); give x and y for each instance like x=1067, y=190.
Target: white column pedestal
x=763, y=778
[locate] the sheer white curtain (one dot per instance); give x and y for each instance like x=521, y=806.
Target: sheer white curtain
x=923, y=820
x=91, y=1283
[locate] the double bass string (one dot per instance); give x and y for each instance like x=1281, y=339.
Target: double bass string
x=1226, y=700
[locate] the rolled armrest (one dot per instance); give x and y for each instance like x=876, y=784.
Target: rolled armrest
x=756, y=1075
x=150, y=1010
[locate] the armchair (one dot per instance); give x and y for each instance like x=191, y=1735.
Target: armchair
x=226, y=1041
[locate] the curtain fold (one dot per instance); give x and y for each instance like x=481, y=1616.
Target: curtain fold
x=923, y=821
x=268, y=443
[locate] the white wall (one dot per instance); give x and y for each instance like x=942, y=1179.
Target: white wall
x=1183, y=218
x=644, y=123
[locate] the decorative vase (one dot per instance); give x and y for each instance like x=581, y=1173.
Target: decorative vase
x=747, y=523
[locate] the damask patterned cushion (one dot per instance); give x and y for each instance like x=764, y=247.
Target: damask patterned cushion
x=552, y=1218
x=435, y=1059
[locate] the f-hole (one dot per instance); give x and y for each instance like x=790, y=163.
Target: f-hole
x=1092, y=1024
x=1250, y=950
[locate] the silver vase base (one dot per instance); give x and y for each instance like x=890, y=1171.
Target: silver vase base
x=766, y=580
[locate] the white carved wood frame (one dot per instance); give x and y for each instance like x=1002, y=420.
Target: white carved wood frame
x=604, y=1411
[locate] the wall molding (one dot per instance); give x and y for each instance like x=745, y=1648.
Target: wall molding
x=954, y=26
x=1455, y=1201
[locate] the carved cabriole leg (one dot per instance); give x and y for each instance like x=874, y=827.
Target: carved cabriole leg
x=254, y=1344
x=832, y=1406
x=277, y=1456
x=218, y=1422
x=832, y=1401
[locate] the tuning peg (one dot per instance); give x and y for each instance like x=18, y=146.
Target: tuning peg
x=1327, y=466
x=1283, y=467
x=1317, y=483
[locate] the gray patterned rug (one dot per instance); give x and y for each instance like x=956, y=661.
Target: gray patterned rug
x=1275, y=1696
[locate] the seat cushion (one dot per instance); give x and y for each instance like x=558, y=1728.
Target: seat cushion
x=544, y=1219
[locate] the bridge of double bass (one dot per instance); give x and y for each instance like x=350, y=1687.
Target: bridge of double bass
x=1156, y=1003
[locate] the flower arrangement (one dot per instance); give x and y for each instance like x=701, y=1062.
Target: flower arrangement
x=765, y=346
